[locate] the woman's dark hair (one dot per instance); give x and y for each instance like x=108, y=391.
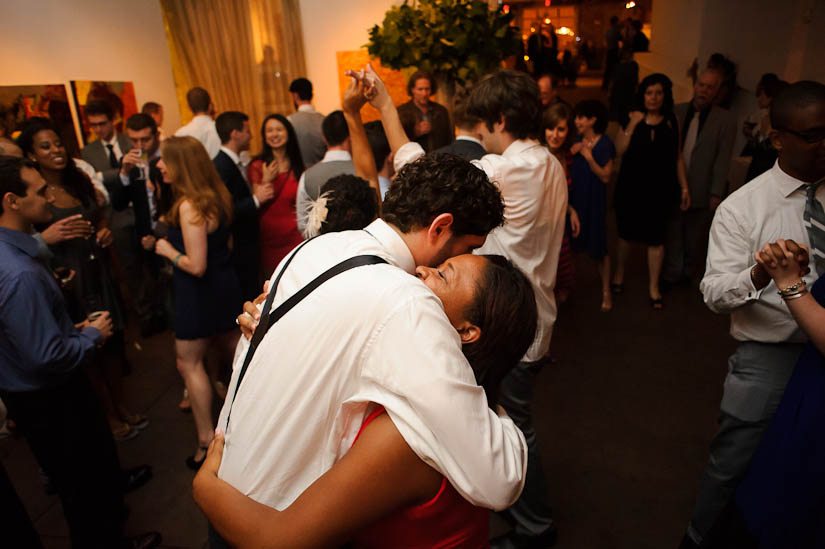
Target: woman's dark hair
x=73, y=180
x=770, y=85
x=351, y=204
x=593, y=108
x=667, y=88
x=513, y=95
x=418, y=75
x=293, y=152
x=551, y=117
x=440, y=183
x=504, y=309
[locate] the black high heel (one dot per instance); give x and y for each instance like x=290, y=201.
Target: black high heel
x=193, y=464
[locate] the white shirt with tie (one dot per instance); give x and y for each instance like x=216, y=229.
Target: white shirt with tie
x=766, y=209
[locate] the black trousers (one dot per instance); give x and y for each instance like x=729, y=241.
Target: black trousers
x=16, y=526
x=68, y=434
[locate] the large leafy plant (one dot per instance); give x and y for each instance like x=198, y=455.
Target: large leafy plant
x=458, y=41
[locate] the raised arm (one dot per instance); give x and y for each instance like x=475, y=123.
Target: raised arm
x=623, y=137
x=380, y=99
x=377, y=476
x=362, y=157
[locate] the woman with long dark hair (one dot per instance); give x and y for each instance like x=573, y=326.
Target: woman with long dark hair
x=280, y=166
x=207, y=290
x=652, y=181
x=87, y=254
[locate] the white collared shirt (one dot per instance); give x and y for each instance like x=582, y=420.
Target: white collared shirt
x=534, y=189
x=468, y=138
x=372, y=334
x=767, y=208
x=306, y=108
x=202, y=128
x=115, y=147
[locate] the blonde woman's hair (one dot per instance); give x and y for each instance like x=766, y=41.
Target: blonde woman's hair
x=194, y=178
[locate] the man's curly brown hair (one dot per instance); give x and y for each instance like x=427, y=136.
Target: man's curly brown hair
x=442, y=183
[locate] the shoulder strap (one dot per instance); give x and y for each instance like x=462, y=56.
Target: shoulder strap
x=268, y=319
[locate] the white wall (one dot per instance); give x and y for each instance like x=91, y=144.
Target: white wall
x=55, y=41
x=329, y=27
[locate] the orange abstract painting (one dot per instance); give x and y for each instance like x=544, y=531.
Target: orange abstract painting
x=396, y=81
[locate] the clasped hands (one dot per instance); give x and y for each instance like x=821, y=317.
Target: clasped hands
x=365, y=85
x=785, y=261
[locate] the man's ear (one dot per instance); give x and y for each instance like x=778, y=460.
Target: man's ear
x=440, y=227
x=502, y=122
x=469, y=333
x=773, y=135
x=9, y=201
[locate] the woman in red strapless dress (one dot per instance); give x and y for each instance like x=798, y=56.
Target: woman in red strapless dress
x=381, y=494
x=279, y=166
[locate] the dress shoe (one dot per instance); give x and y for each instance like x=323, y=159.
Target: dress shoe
x=132, y=479
x=147, y=540
x=514, y=540
x=688, y=543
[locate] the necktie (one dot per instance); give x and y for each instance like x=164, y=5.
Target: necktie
x=113, y=163
x=690, y=139
x=814, y=221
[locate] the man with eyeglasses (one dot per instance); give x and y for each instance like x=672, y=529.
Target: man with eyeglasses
x=784, y=202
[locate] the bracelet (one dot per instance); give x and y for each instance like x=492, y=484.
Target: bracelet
x=177, y=258
x=794, y=290
x=795, y=295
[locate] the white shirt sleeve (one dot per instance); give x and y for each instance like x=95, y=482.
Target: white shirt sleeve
x=94, y=176
x=727, y=283
x=430, y=392
x=302, y=202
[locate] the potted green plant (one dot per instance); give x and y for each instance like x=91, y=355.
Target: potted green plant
x=457, y=41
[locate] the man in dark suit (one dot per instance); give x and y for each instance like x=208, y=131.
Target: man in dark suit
x=233, y=130
x=708, y=136
x=467, y=144
x=106, y=151
x=141, y=188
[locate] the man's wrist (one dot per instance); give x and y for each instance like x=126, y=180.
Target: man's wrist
x=759, y=277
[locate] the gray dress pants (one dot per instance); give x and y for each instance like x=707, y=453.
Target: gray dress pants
x=531, y=513
x=757, y=376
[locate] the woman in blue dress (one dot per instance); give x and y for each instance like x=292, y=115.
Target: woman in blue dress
x=207, y=291
x=589, y=174
x=780, y=503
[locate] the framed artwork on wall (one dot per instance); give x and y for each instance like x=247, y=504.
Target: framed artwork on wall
x=120, y=95
x=20, y=103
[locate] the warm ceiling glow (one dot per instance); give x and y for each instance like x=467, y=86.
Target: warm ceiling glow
x=532, y=29
x=505, y=8
x=527, y=58
x=565, y=31
x=546, y=20
x=546, y=3
x=630, y=4
x=524, y=37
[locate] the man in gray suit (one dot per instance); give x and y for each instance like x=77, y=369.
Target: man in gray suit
x=708, y=136
x=106, y=151
x=307, y=122
x=336, y=161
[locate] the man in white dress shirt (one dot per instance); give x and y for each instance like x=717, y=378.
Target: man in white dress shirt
x=534, y=188
x=375, y=334
x=769, y=207
x=202, y=125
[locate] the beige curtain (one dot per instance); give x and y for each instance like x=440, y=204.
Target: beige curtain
x=244, y=52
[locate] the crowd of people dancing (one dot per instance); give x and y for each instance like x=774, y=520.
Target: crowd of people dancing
x=452, y=234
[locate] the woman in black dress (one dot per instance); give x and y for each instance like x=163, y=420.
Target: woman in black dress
x=652, y=181
x=207, y=292
x=86, y=252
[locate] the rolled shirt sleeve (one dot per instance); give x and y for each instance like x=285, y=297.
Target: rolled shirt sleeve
x=727, y=283
x=441, y=411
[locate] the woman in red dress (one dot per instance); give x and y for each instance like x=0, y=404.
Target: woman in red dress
x=280, y=166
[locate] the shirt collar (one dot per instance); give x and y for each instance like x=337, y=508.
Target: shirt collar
x=392, y=242
x=231, y=154
x=306, y=108
x=786, y=183
x=336, y=155
x=467, y=138
x=21, y=240
x=519, y=146
x=112, y=141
